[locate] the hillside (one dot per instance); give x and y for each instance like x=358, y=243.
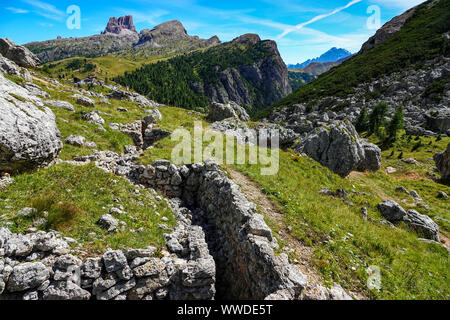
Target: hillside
x=422, y=38
x=246, y=70
x=120, y=37
x=299, y=79
x=317, y=68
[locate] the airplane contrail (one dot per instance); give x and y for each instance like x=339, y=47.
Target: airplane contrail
x=319, y=17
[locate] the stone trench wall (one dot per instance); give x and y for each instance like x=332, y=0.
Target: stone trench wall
x=41, y=266
x=220, y=249
x=238, y=238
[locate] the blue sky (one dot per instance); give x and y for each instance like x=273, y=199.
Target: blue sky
x=303, y=29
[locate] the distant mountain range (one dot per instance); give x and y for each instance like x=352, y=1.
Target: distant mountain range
x=332, y=55
x=121, y=36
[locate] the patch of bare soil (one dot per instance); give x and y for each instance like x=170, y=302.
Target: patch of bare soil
x=304, y=254
x=444, y=240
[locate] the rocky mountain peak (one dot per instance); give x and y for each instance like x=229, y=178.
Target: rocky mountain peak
x=248, y=38
x=122, y=25
x=171, y=28
x=387, y=30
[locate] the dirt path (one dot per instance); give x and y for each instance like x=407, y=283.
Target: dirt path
x=303, y=254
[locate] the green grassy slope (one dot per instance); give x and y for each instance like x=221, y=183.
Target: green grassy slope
x=344, y=244
x=420, y=39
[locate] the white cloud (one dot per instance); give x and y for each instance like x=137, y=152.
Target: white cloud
x=46, y=10
x=17, y=10
x=317, y=18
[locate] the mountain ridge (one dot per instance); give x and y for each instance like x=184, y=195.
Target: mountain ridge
x=121, y=36
x=332, y=55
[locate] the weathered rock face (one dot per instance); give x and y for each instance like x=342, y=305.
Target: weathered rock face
x=392, y=211
x=423, y=225
x=219, y=112
x=11, y=68
x=122, y=25
x=18, y=54
x=340, y=149
x=28, y=134
x=388, y=30
x=425, y=114
x=442, y=160
x=268, y=78
x=173, y=29
x=438, y=120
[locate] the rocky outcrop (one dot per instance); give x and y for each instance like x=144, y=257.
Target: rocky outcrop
x=18, y=54
x=438, y=120
x=267, y=76
x=422, y=224
x=29, y=137
x=219, y=112
x=170, y=32
x=60, y=105
x=388, y=30
x=144, y=132
x=12, y=69
x=442, y=160
x=425, y=113
x=120, y=26
x=118, y=94
x=262, y=134
x=340, y=148
x=392, y=211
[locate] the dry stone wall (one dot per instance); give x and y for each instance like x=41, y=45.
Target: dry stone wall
x=220, y=249
x=238, y=238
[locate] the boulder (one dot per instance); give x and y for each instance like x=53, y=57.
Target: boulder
x=94, y=118
x=392, y=211
x=63, y=290
x=372, y=158
x=114, y=261
x=133, y=97
x=60, y=105
x=219, y=112
x=77, y=141
x=423, y=224
x=84, y=101
x=108, y=223
x=340, y=148
x=29, y=137
x=442, y=160
x=438, y=120
x=27, y=276
x=19, y=54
